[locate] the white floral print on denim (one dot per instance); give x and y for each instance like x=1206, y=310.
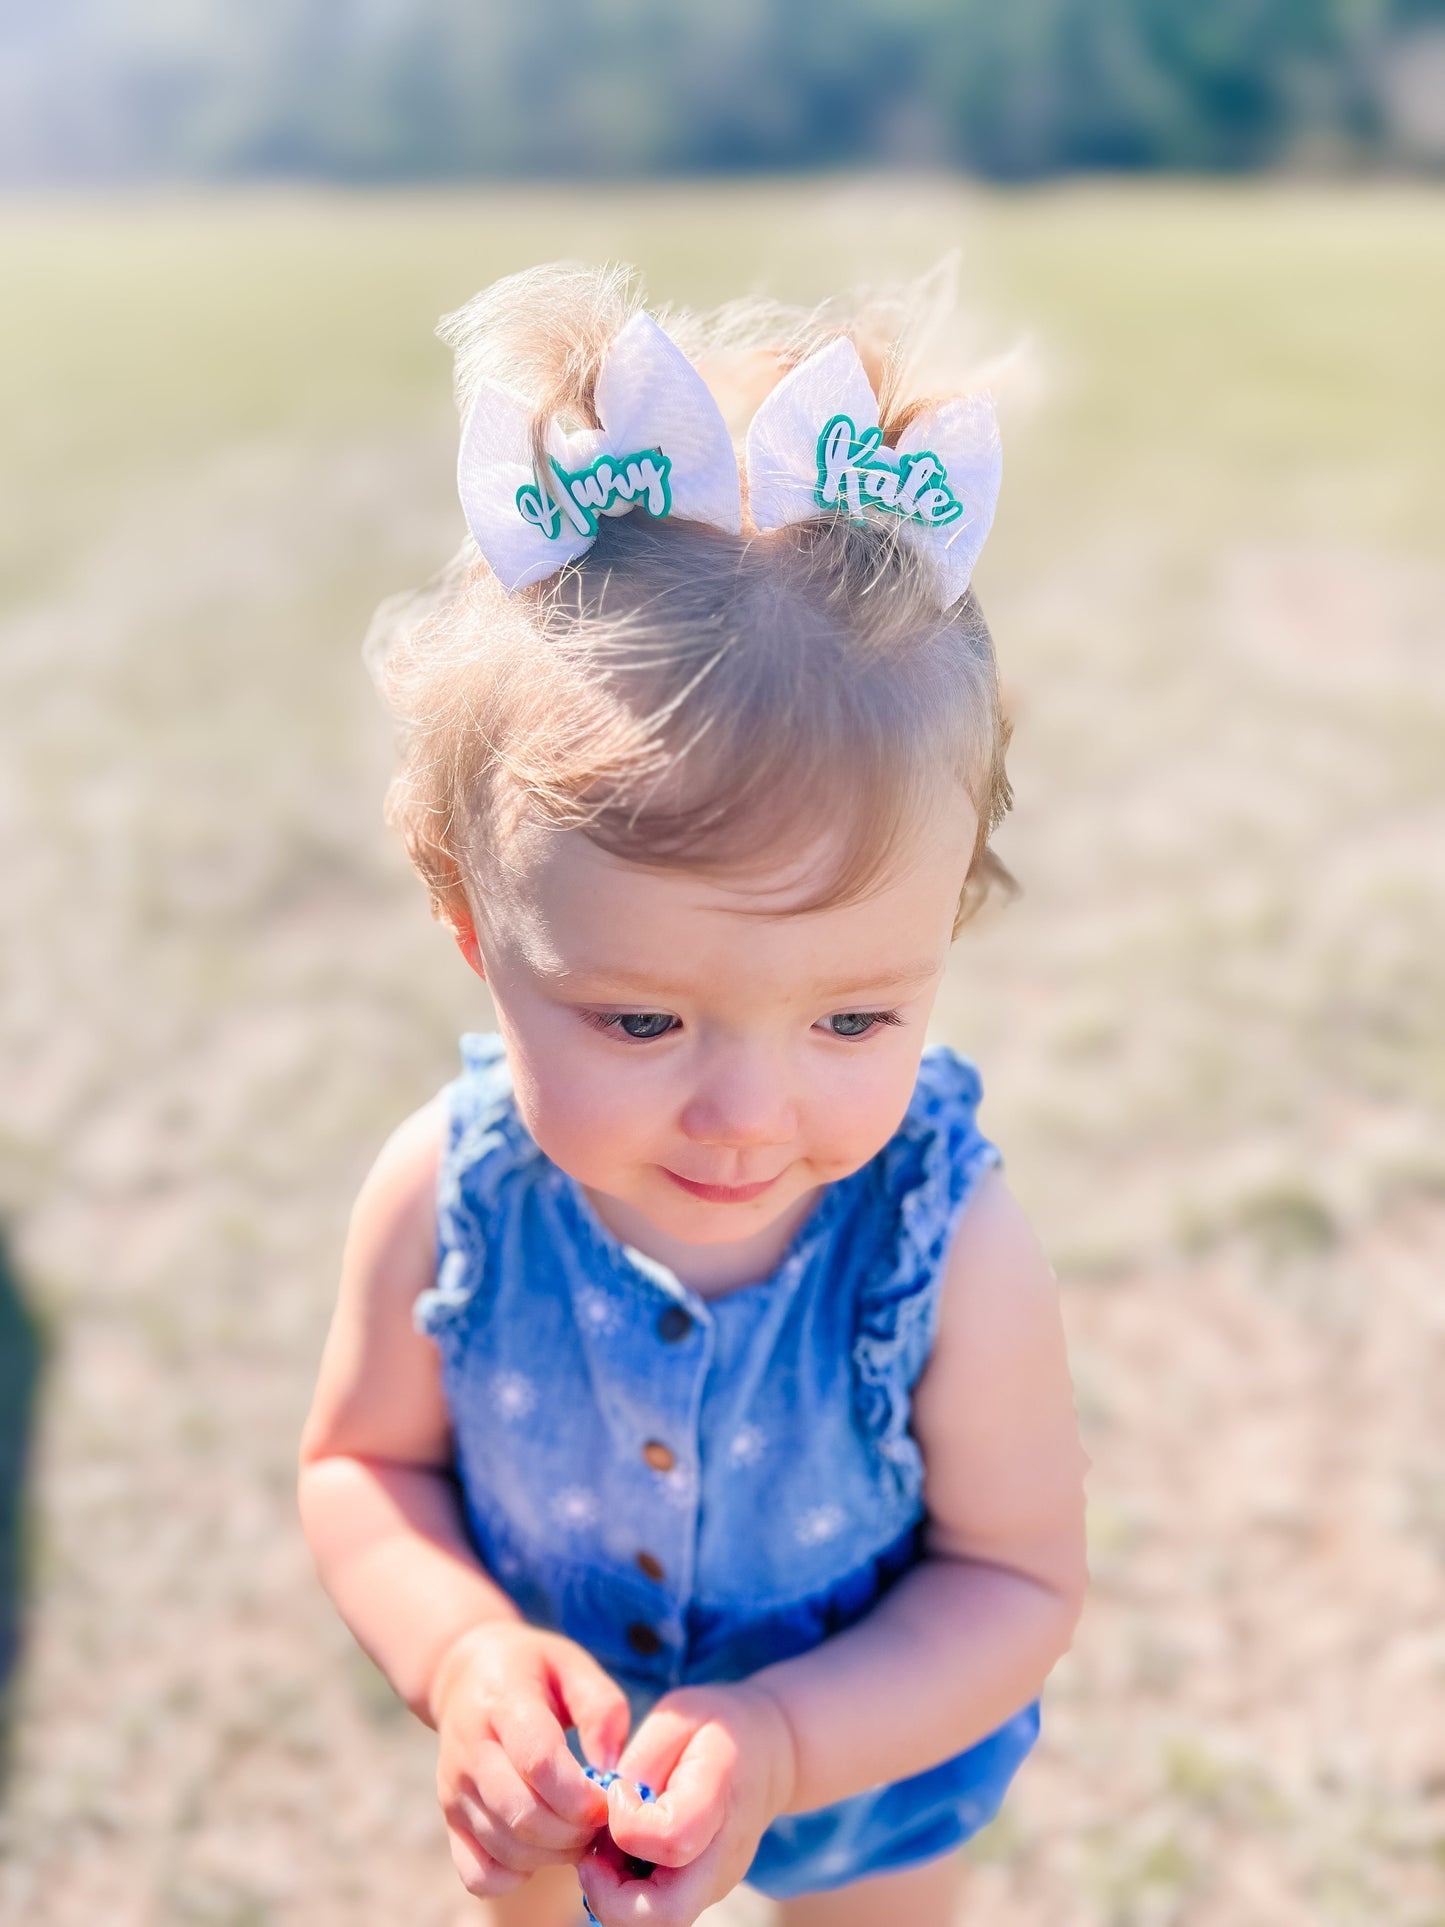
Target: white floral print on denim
x=599, y=1314
x=575, y=1506
x=513, y=1395
x=678, y=1486
x=820, y=1524
x=748, y=1445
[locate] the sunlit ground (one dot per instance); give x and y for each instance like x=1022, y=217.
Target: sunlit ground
x=1211, y=1031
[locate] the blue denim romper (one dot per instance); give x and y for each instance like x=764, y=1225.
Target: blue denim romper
x=692, y=1488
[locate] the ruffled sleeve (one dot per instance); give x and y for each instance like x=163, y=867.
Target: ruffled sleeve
x=484, y=1144
x=927, y=1173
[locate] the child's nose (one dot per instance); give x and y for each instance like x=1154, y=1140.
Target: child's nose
x=743, y=1101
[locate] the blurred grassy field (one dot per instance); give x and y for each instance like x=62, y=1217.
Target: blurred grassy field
x=1212, y=1031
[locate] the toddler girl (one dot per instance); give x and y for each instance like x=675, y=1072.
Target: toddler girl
x=696, y=1402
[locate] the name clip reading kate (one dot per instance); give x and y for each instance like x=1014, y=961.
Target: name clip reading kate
x=856, y=469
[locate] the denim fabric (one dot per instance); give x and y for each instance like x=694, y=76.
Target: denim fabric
x=753, y=1449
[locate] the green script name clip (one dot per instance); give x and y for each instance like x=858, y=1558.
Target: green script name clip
x=579, y=496
x=852, y=474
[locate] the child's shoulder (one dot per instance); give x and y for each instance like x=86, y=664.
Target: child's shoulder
x=483, y=1137
x=947, y=1084
x=399, y=1188
x=920, y=1182
x=921, y=1186
x=939, y=1150
x=485, y=1078
x=377, y=1391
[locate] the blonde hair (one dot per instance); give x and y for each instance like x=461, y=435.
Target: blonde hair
x=686, y=697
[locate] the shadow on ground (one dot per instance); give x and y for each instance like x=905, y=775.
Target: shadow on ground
x=20, y=1361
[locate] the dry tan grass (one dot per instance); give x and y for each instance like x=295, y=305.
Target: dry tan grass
x=1211, y=1031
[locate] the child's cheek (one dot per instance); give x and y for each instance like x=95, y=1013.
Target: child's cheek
x=866, y=1100
x=584, y=1142
x=583, y=1117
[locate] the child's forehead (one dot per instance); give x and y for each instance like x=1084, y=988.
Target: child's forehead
x=571, y=907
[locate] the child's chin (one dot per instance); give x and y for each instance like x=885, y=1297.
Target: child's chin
x=730, y=1231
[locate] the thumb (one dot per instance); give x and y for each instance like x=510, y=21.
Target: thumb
x=659, y=1743
x=595, y=1704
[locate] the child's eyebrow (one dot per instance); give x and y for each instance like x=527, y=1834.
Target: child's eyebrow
x=892, y=980
x=622, y=977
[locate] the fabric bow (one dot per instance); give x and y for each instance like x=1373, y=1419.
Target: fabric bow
x=663, y=446
x=815, y=447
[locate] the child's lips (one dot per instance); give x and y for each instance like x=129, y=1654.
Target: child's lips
x=722, y=1193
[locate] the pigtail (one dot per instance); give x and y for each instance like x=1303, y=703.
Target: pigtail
x=543, y=333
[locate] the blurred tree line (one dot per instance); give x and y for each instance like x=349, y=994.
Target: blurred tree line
x=369, y=90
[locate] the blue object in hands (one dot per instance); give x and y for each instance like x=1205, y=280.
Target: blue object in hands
x=634, y=1868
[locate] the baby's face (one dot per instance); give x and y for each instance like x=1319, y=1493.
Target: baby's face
x=699, y=1070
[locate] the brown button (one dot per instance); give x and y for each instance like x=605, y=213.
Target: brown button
x=642, y=1639
x=673, y=1323
x=659, y=1456
x=652, y=1567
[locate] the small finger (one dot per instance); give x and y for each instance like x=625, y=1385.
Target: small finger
x=595, y=1704
x=480, y=1874
x=534, y=1742
x=509, y=1852
x=513, y=1806
x=658, y=1744
x=503, y=1846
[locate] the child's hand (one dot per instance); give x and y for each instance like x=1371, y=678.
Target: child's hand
x=513, y=1797
x=721, y=1761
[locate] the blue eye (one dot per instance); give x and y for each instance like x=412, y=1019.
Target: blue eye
x=639, y=1024
x=859, y=1023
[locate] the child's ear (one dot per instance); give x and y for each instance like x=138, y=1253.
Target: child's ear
x=465, y=932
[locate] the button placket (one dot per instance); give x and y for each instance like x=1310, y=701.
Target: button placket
x=668, y=1363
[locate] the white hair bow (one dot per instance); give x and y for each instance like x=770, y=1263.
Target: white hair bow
x=815, y=446
x=663, y=446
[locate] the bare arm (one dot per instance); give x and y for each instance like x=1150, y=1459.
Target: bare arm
x=383, y=1518
x=969, y=1635
x=379, y=1507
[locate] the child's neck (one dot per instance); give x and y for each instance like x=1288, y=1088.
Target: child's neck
x=712, y=1271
